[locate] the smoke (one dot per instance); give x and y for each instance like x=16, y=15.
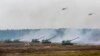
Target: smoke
x=86, y=36
x=41, y=34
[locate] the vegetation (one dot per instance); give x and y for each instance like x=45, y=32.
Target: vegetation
x=47, y=48
x=57, y=53
x=53, y=50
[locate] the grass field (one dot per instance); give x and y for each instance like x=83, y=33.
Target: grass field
x=49, y=50
x=56, y=53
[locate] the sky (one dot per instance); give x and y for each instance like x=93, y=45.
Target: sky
x=33, y=14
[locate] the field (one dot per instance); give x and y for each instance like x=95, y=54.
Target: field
x=49, y=50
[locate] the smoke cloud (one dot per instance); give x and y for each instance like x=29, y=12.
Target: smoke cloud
x=86, y=36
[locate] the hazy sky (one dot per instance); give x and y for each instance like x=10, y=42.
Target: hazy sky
x=18, y=14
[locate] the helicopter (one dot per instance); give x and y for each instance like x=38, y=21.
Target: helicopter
x=64, y=8
x=90, y=14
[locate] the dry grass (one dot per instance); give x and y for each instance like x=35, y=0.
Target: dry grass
x=57, y=53
x=49, y=50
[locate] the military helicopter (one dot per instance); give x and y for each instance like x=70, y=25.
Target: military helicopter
x=90, y=14
x=64, y=8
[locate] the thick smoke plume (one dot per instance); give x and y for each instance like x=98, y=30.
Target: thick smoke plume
x=86, y=36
